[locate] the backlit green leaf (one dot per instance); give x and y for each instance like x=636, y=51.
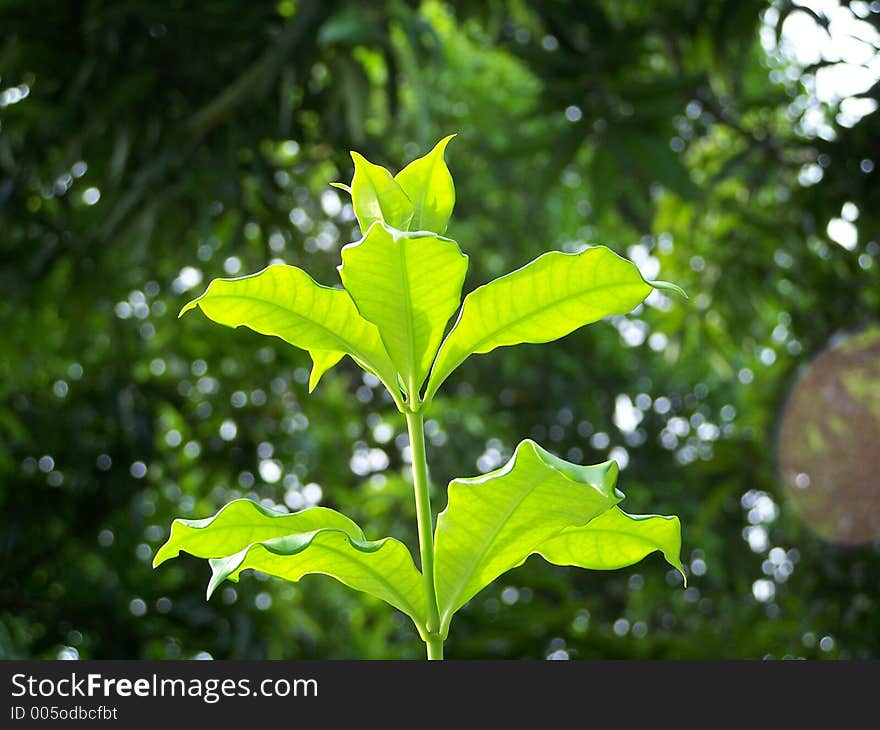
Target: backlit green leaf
x=547, y=299
x=382, y=568
x=286, y=302
x=322, y=361
x=408, y=285
x=242, y=522
x=494, y=522
x=614, y=540
x=428, y=184
x=376, y=196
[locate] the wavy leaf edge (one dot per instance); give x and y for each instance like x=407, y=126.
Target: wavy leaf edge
x=230, y=567
x=167, y=552
x=672, y=559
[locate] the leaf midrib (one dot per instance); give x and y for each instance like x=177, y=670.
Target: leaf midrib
x=410, y=322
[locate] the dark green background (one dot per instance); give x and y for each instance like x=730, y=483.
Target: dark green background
x=211, y=131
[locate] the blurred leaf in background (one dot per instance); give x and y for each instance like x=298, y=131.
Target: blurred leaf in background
x=146, y=148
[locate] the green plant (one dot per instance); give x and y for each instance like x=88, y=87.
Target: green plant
x=402, y=284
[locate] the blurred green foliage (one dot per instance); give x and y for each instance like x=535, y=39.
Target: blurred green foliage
x=146, y=148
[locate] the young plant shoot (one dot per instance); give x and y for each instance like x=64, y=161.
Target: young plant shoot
x=401, y=285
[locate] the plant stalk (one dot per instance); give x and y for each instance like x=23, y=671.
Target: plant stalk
x=435, y=648
x=415, y=425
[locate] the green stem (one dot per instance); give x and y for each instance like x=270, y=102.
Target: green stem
x=416, y=426
x=435, y=647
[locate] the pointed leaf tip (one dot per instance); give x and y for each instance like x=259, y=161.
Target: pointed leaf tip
x=322, y=361
x=428, y=183
x=186, y=307
x=670, y=287
x=444, y=143
x=341, y=186
x=224, y=569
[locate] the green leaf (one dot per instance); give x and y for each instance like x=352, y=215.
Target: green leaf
x=286, y=302
x=382, y=568
x=428, y=184
x=408, y=285
x=547, y=299
x=322, y=361
x=376, y=196
x=614, y=540
x=242, y=522
x=492, y=523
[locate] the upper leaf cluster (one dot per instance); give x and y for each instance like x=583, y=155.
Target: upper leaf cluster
x=402, y=284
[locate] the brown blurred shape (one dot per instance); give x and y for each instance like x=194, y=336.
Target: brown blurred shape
x=829, y=441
